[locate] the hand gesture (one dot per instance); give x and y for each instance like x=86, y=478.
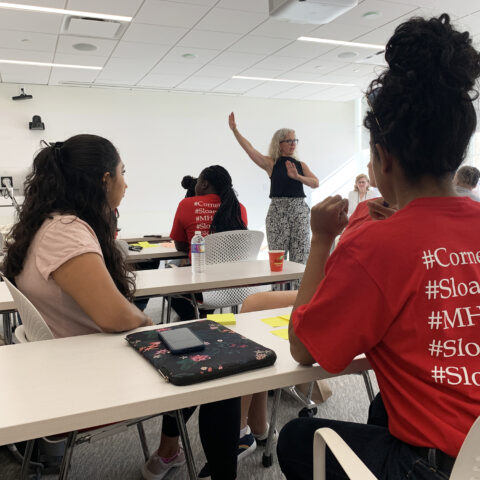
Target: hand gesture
x=380, y=210
x=329, y=217
x=231, y=121
x=292, y=171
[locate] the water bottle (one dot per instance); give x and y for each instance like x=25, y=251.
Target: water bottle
x=198, y=253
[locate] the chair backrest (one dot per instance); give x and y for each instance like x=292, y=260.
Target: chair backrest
x=467, y=464
x=35, y=328
x=233, y=246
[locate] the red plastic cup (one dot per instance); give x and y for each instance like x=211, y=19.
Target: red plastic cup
x=276, y=260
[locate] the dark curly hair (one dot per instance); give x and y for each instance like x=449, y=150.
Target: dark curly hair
x=188, y=183
x=422, y=105
x=67, y=178
x=228, y=216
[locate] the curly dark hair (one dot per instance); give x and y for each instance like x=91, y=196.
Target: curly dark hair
x=67, y=178
x=422, y=105
x=188, y=183
x=228, y=216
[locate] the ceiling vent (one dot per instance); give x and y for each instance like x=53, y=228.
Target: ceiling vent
x=93, y=27
x=316, y=12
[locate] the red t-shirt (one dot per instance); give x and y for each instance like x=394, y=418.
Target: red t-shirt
x=406, y=291
x=196, y=213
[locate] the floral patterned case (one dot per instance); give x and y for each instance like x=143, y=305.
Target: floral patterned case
x=226, y=352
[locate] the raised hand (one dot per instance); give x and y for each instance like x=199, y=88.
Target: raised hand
x=292, y=171
x=231, y=121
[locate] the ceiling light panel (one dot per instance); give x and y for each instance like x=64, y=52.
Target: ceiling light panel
x=61, y=11
x=284, y=80
x=328, y=41
x=47, y=64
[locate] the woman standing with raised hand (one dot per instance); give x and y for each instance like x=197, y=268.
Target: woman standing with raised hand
x=288, y=217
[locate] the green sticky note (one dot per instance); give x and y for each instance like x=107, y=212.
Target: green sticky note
x=275, y=321
x=281, y=332
x=223, y=318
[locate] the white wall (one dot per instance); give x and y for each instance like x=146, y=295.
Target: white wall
x=162, y=136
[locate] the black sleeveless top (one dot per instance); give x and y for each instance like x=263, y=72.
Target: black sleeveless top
x=281, y=185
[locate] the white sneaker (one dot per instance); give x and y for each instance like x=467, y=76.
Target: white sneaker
x=156, y=468
x=261, y=439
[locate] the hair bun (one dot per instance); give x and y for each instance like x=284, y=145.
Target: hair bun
x=431, y=51
x=188, y=182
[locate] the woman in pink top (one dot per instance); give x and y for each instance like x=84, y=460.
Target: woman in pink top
x=64, y=259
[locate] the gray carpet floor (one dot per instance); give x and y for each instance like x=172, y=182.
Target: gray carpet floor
x=120, y=456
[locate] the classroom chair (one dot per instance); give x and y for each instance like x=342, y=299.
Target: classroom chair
x=32, y=329
x=466, y=466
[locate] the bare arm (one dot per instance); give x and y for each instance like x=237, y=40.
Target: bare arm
x=86, y=279
x=328, y=219
x=262, y=161
x=182, y=246
x=308, y=178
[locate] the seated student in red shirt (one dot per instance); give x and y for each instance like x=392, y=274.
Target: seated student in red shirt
x=214, y=208
x=414, y=276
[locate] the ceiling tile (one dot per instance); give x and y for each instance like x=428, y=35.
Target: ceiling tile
x=86, y=60
x=112, y=7
x=301, y=91
x=140, y=50
x=235, y=59
x=257, y=44
x=175, y=68
x=60, y=76
x=258, y=6
x=25, y=55
x=357, y=69
x=336, y=30
x=278, y=62
x=261, y=72
x=206, y=3
x=387, y=13
x=218, y=72
x=141, y=32
x=35, y=42
x=268, y=89
x=454, y=9
x=18, y=74
x=307, y=50
x=172, y=14
x=207, y=39
x=120, y=77
x=203, y=56
x=279, y=29
x=126, y=67
x=319, y=66
x=198, y=82
x=237, y=86
x=231, y=21
x=161, y=80
x=104, y=47
x=30, y=21
x=471, y=23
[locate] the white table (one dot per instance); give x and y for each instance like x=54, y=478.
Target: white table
x=172, y=281
x=66, y=384
x=150, y=253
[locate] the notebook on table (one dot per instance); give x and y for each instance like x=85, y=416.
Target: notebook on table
x=226, y=353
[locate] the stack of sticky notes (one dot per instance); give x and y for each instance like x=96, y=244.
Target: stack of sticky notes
x=279, y=321
x=223, y=318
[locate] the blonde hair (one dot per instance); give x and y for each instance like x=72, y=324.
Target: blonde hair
x=274, y=148
x=362, y=175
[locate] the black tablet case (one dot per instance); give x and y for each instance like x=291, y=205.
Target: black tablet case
x=226, y=353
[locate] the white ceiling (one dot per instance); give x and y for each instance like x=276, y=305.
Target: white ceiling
x=228, y=37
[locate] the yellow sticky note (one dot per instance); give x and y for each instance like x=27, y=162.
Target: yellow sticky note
x=275, y=321
x=281, y=332
x=147, y=244
x=223, y=318
x=286, y=317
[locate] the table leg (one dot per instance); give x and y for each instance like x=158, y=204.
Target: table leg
x=267, y=455
x=195, y=306
x=169, y=308
x=182, y=428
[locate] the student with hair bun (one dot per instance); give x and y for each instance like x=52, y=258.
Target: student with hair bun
x=420, y=120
